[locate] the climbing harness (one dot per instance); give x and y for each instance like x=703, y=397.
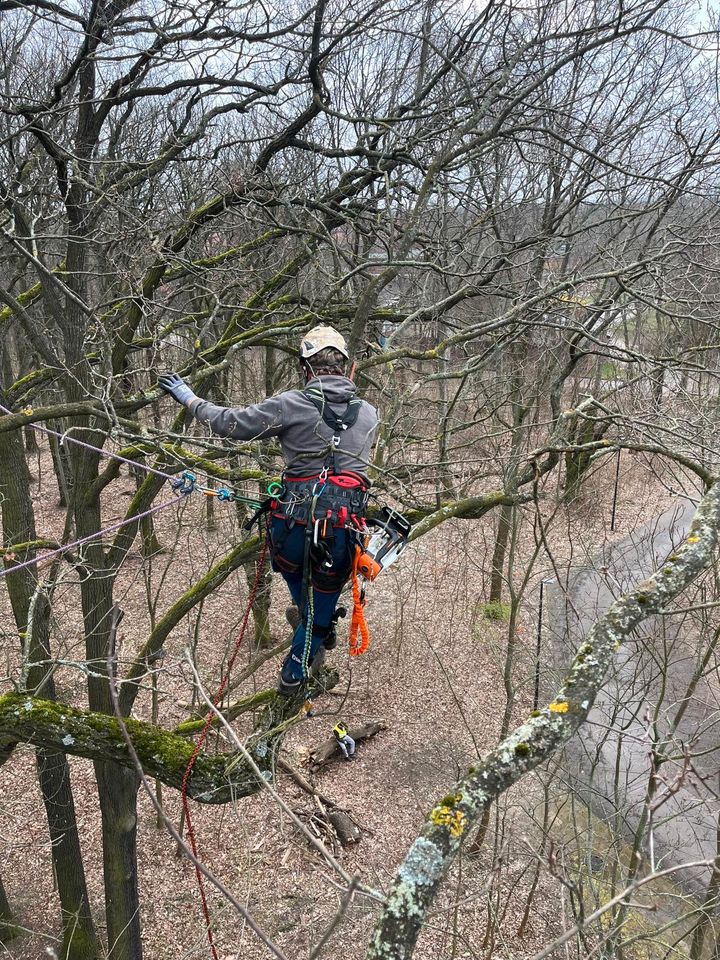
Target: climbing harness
x=340, y=497
x=323, y=503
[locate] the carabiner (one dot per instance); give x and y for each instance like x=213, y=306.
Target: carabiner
x=320, y=484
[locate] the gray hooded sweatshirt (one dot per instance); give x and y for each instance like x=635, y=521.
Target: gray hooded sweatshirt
x=295, y=420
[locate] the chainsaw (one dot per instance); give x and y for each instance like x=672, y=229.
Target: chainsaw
x=386, y=544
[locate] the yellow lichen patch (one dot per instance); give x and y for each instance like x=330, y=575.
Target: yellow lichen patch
x=559, y=706
x=454, y=820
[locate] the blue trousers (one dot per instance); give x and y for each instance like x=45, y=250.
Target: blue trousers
x=288, y=555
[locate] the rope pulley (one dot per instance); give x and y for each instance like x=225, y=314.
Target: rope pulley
x=185, y=483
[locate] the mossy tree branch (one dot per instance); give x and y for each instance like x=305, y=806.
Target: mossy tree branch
x=535, y=741
x=215, y=778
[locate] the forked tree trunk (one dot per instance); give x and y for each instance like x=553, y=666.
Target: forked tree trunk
x=577, y=463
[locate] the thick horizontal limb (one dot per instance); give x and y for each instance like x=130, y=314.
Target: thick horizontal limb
x=216, y=778
x=163, y=754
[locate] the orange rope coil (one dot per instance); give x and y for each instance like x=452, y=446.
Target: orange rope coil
x=359, y=633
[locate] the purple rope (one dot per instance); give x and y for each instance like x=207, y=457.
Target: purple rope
x=88, y=446
x=92, y=536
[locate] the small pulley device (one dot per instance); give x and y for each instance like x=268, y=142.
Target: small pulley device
x=385, y=544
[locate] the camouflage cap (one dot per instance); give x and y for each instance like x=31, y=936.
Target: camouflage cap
x=322, y=338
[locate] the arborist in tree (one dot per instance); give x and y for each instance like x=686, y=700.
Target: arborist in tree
x=326, y=434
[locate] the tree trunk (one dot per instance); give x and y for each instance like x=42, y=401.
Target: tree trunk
x=79, y=940
x=578, y=462
x=149, y=543
x=31, y=444
x=498, y=558
x=8, y=929
x=210, y=517
x=61, y=469
x=270, y=364
x=18, y=524
x=117, y=787
x=118, y=805
x=261, y=604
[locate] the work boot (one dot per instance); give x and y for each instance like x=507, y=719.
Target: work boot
x=292, y=615
x=330, y=640
x=317, y=661
x=288, y=683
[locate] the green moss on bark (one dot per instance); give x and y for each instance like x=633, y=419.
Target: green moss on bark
x=97, y=736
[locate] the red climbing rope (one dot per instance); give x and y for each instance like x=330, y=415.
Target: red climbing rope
x=359, y=633
x=203, y=736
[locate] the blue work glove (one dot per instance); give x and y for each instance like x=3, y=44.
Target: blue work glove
x=174, y=384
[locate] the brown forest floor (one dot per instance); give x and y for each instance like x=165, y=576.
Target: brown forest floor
x=433, y=674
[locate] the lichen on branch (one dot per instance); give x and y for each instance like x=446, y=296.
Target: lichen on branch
x=535, y=741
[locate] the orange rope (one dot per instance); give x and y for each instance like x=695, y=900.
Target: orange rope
x=358, y=624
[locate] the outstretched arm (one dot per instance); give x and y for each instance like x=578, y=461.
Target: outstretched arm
x=257, y=422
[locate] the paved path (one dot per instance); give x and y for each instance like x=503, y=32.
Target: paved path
x=609, y=758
